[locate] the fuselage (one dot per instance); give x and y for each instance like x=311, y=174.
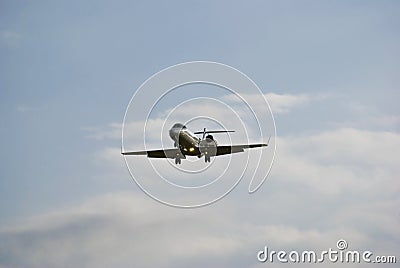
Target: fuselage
x=188, y=143
x=184, y=139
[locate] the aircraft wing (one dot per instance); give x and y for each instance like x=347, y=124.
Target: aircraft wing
x=167, y=153
x=228, y=149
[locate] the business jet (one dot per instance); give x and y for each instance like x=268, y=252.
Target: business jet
x=187, y=144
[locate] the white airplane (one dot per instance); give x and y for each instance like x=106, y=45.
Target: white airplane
x=187, y=144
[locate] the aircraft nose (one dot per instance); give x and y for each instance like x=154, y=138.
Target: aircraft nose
x=173, y=133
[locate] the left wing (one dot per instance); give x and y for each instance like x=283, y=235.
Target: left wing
x=221, y=150
x=167, y=153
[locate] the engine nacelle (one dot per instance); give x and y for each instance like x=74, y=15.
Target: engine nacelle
x=208, y=146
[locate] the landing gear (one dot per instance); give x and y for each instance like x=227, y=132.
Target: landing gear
x=207, y=158
x=177, y=160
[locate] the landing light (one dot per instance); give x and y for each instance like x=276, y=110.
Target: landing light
x=191, y=149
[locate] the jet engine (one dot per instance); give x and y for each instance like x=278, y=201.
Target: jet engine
x=208, y=147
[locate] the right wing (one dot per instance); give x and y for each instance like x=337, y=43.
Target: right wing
x=221, y=150
x=167, y=153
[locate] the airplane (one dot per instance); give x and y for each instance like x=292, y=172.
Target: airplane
x=187, y=144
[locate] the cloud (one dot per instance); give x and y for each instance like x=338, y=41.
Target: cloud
x=324, y=187
x=23, y=108
x=283, y=103
x=110, y=131
x=385, y=121
x=132, y=130
x=114, y=230
x=279, y=103
x=333, y=184
x=10, y=38
x=227, y=112
x=128, y=229
x=341, y=160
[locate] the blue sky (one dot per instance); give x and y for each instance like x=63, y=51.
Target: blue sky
x=69, y=68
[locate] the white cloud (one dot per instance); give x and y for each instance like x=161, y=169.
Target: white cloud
x=341, y=183
x=115, y=230
x=332, y=185
x=283, y=103
x=367, y=121
x=23, y=108
x=226, y=113
x=342, y=160
x=111, y=131
x=125, y=229
x=279, y=103
x=132, y=130
x=10, y=38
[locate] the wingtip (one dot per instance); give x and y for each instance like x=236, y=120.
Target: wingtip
x=268, y=140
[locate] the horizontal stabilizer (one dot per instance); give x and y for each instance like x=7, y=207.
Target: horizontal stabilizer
x=213, y=131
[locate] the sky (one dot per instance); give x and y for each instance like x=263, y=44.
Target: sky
x=68, y=69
